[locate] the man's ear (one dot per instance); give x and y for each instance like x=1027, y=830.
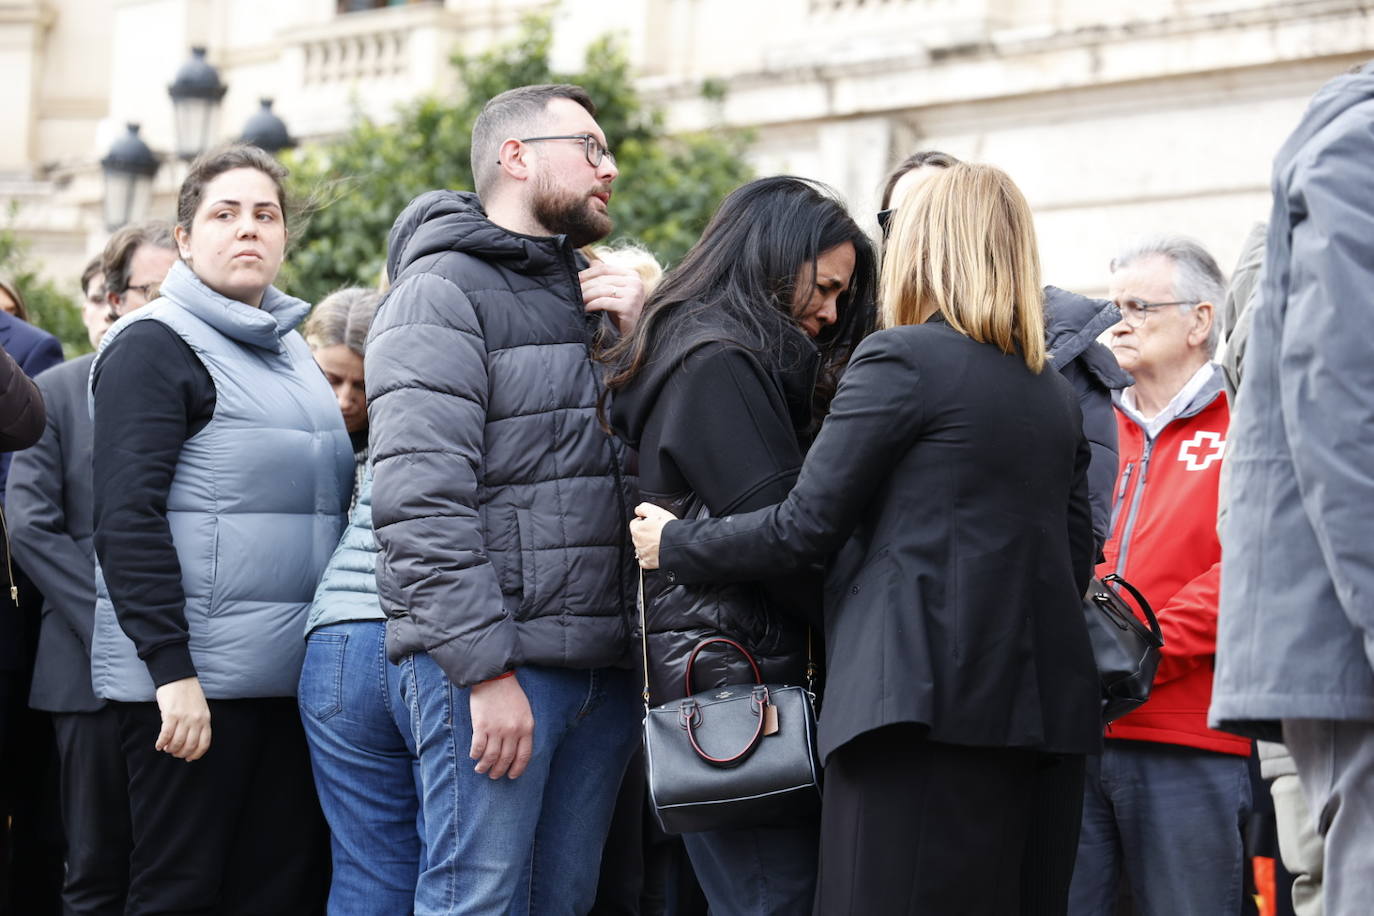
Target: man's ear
x=514, y=157
x=1204, y=313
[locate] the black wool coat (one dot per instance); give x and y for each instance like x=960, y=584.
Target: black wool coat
x=953, y=482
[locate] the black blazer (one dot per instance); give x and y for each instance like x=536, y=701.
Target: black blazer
x=50, y=505
x=952, y=481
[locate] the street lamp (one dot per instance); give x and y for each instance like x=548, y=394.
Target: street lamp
x=129, y=168
x=267, y=131
x=196, y=94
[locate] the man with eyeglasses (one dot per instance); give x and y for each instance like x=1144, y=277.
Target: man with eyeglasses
x=500, y=506
x=1167, y=799
x=136, y=260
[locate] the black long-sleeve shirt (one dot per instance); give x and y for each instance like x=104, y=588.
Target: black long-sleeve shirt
x=151, y=394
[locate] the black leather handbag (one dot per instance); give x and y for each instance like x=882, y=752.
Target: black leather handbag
x=735, y=756
x=1125, y=649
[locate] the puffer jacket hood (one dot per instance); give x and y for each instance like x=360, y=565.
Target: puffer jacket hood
x=1073, y=324
x=441, y=221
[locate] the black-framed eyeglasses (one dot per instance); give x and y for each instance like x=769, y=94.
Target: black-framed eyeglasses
x=1135, y=311
x=591, y=146
x=143, y=289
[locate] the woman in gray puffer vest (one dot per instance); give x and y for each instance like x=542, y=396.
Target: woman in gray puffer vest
x=221, y=473
x=720, y=387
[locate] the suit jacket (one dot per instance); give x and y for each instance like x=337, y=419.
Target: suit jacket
x=51, y=517
x=953, y=482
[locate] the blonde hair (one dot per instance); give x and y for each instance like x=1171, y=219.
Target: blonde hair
x=963, y=245
x=342, y=318
x=640, y=260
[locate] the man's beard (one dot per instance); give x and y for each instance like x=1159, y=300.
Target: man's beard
x=566, y=213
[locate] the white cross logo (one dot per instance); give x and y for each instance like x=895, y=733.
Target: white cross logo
x=1202, y=450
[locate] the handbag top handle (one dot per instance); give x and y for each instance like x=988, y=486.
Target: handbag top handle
x=758, y=677
x=692, y=660
x=1154, y=633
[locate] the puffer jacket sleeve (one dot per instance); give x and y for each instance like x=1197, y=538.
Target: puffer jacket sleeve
x=427, y=395
x=1099, y=426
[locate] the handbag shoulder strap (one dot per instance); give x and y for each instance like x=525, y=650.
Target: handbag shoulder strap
x=643, y=639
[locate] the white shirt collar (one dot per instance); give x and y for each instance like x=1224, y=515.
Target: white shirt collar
x=1154, y=425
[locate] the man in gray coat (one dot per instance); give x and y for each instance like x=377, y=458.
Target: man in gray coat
x=1295, y=649
x=500, y=506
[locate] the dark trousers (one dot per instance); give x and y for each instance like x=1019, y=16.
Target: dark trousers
x=238, y=831
x=918, y=827
x=95, y=812
x=1052, y=843
x=30, y=826
x=644, y=872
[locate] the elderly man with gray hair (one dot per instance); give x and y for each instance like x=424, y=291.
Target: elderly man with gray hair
x=1167, y=798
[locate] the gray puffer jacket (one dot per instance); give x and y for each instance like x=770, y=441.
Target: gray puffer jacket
x=500, y=505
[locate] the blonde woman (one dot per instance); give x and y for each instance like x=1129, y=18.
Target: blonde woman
x=948, y=488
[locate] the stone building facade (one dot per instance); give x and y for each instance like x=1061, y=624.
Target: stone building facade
x=1116, y=118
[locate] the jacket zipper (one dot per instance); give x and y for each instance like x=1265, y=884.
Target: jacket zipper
x=1121, y=494
x=1137, y=492
x=590, y=321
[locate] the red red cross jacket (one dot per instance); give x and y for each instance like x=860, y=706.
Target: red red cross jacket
x=1164, y=542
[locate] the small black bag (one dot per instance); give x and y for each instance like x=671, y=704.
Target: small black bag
x=735, y=756
x=1126, y=650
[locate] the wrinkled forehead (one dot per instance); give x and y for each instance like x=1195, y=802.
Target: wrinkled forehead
x=1150, y=278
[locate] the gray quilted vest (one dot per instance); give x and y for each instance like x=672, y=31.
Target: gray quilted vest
x=256, y=503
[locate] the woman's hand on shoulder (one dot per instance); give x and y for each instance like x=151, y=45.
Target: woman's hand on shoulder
x=647, y=530
x=185, y=719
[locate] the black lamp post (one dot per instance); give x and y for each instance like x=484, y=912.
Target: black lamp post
x=264, y=129
x=129, y=168
x=196, y=94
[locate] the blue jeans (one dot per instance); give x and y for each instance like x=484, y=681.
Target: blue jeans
x=366, y=770
x=1172, y=817
x=526, y=845
x=763, y=871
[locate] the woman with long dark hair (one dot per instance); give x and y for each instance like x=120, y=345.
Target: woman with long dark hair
x=720, y=387
x=949, y=484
